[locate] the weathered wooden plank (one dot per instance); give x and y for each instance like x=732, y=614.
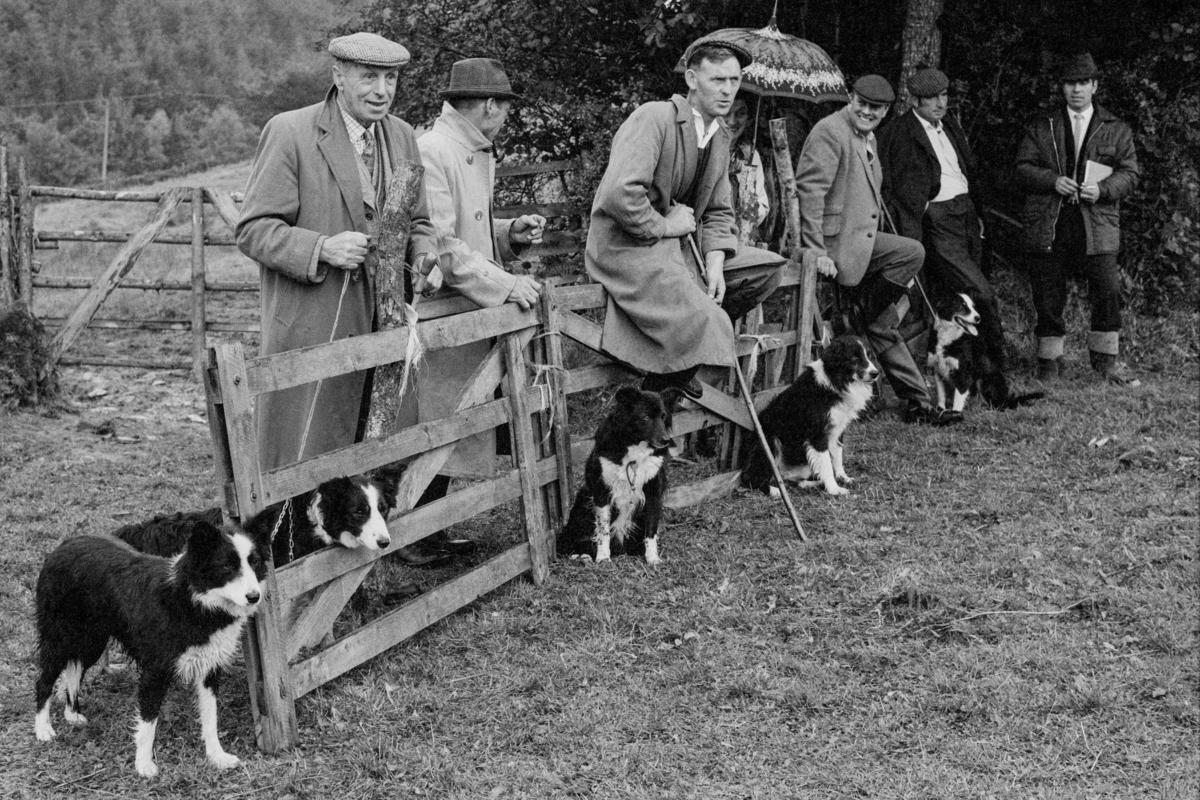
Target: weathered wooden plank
x=223, y=203
x=111, y=277
x=560, y=445
x=391, y=306
x=545, y=209
x=311, y=620
x=581, y=329
x=578, y=296
x=533, y=510
x=156, y=286
x=24, y=239
x=102, y=194
x=540, y=168
x=136, y=363
x=403, y=623
x=210, y=239
x=584, y=378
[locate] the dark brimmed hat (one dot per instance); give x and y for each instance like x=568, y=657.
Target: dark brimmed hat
x=928, y=82
x=874, y=89
x=370, y=49
x=740, y=53
x=1079, y=67
x=479, y=77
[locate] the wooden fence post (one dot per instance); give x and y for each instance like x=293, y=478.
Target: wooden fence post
x=8, y=282
x=199, y=325
x=808, y=278
x=525, y=456
x=103, y=286
x=25, y=240
x=559, y=444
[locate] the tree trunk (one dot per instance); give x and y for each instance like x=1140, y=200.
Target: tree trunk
x=921, y=42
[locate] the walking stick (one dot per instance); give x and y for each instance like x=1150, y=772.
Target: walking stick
x=762, y=436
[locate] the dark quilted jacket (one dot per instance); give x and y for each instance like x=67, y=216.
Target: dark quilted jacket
x=1044, y=154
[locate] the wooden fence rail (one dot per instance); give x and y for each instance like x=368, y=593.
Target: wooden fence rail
x=288, y=652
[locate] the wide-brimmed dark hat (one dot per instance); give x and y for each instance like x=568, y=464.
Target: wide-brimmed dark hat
x=740, y=53
x=370, y=49
x=479, y=77
x=1079, y=67
x=874, y=89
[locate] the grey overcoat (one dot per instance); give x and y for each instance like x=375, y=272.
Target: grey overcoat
x=659, y=316
x=305, y=186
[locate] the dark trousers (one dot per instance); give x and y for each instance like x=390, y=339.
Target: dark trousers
x=1049, y=273
x=895, y=260
x=953, y=253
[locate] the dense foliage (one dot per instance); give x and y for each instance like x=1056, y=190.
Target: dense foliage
x=186, y=84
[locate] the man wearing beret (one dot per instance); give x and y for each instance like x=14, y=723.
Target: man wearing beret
x=311, y=209
x=459, y=176
x=667, y=181
x=928, y=174
x=839, y=180
x=1076, y=164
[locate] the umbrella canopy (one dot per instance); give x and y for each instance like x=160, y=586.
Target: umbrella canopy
x=784, y=65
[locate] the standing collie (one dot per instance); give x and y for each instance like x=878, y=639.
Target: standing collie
x=805, y=423
x=180, y=617
x=624, y=481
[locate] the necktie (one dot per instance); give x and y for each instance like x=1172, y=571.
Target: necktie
x=368, y=154
x=1079, y=133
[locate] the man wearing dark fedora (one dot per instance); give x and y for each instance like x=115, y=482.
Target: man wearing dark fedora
x=312, y=204
x=930, y=188
x=459, y=174
x=840, y=183
x=664, y=198
x=1076, y=164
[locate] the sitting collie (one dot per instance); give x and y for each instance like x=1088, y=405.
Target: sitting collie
x=350, y=511
x=958, y=362
x=180, y=617
x=624, y=481
x=805, y=422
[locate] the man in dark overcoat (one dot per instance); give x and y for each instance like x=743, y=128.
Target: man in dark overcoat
x=840, y=182
x=1076, y=164
x=930, y=188
x=312, y=205
x=668, y=179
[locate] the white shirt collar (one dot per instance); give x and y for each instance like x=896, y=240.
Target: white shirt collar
x=929, y=126
x=702, y=134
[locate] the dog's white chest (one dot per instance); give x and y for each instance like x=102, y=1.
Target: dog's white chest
x=218, y=652
x=627, y=480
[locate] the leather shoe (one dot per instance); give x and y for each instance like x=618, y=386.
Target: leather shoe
x=922, y=414
x=1049, y=369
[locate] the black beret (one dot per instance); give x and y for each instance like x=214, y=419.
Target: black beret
x=928, y=82
x=874, y=89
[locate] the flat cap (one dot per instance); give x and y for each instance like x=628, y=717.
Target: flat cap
x=370, y=49
x=1079, y=67
x=874, y=89
x=928, y=82
x=742, y=54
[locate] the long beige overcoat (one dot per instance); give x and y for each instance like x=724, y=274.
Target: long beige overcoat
x=305, y=186
x=840, y=200
x=459, y=175
x=659, y=316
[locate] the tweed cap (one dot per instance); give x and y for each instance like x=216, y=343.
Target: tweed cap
x=1079, y=67
x=928, y=82
x=370, y=49
x=742, y=54
x=874, y=89
x=479, y=77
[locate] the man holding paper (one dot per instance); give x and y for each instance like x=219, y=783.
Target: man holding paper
x=1075, y=165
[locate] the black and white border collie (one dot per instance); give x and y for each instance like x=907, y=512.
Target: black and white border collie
x=806, y=421
x=624, y=481
x=176, y=618
x=350, y=511
x=959, y=365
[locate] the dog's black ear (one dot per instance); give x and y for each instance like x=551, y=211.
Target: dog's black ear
x=204, y=538
x=671, y=396
x=627, y=396
x=388, y=479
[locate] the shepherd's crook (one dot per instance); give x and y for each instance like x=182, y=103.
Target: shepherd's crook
x=762, y=437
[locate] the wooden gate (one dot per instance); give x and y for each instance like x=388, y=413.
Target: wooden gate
x=285, y=656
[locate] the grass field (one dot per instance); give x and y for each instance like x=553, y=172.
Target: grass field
x=1008, y=609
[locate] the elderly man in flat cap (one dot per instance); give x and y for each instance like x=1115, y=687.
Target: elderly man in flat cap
x=1076, y=164
x=667, y=181
x=928, y=177
x=459, y=176
x=839, y=180
x=312, y=205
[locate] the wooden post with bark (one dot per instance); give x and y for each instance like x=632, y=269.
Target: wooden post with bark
x=199, y=326
x=24, y=214
x=391, y=252
x=8, y=278
x=805, y=301
x=920, y=42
